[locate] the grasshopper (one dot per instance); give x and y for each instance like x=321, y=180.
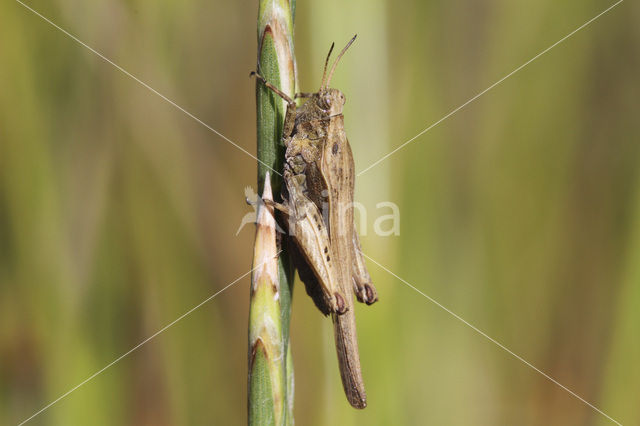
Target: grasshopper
x=319, y=165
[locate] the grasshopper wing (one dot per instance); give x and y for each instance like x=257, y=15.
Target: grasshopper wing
x=315, y=261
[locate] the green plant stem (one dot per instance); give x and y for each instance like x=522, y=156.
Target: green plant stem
x=270, y=396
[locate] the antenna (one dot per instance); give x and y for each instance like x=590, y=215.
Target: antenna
x=333, y=68
x=326, y=63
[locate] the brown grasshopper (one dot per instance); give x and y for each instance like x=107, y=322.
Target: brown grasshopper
x=319, y=164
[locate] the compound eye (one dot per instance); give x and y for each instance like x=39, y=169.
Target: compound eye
x=326, y=102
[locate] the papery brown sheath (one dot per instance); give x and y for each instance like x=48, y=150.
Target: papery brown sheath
x=319, y=172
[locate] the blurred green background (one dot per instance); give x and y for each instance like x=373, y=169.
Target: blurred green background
x=520, y=213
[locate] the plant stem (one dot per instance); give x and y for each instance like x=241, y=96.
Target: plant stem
x=270, y=399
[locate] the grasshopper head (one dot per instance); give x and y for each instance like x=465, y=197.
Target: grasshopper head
x=330, y=101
